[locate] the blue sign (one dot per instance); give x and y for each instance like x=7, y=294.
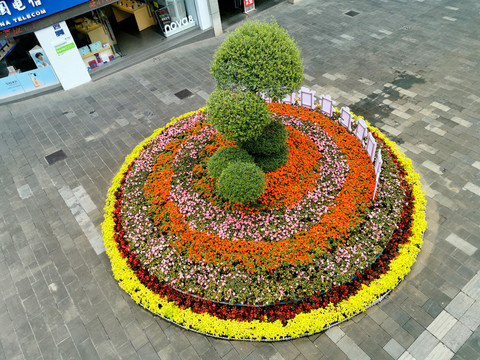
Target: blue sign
x=18, y=12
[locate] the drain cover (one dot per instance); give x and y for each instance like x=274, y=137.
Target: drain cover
x=56, y=156
x=183, y=94
x=352, y=13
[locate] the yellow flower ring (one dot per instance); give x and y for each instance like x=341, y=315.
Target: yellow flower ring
x=301, y=324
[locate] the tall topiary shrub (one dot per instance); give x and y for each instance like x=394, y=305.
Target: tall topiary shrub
x=258, y=57
x=240, y=115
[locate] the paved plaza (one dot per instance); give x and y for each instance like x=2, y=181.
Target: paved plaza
x=412, y=68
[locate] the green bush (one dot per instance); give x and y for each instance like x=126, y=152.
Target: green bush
x=271, y=141
x=223, y=157
x=240, y=115
x=259, y=57
x=241, y=182
x=272, y=162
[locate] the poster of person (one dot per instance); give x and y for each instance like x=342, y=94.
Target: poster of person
x=39, y=57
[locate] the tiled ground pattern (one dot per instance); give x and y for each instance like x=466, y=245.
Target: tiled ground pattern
x=410, y=67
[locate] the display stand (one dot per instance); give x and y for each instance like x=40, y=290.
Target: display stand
x=123, y=10
x=105, y=54
x=94, y=30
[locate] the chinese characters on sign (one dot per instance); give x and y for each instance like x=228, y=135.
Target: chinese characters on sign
x=18, y=12
x=248, y=2
x=17, y=5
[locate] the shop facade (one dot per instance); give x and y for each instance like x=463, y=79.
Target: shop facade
x=48, y=43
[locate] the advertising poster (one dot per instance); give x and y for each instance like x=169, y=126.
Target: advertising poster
x=39, y=57
x=9, y=86
x=34, y=79
x=27, y=81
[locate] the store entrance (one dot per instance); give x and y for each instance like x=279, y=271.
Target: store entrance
x=232, y=11
x=134, y=26
x=128, y=28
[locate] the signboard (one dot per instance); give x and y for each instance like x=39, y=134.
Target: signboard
x=18, y=12
x=163, y=17
x=249, y=5
x=64, y=45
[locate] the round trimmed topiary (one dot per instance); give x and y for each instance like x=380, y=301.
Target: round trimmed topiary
x=240, y=115
x=223, y=157
x=241, y=182
x=271, y=141
x=272, y=162
x=259, y=57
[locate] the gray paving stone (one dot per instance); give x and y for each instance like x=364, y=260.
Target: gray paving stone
x=327, y=348
x=169, y=353
x=471, y=318
x=423, y=345
x=394, y=349
x=68, y=350
x=136, y=335
x=233, y=355
x=127, y=351
x=127, y=108
x=243, y=348
x=147, y=352
x=211, y=353
x=48, y=348
x=413, y=328
x=456, y=336
x=158, y=339
x=222, y=347
x=87, y=350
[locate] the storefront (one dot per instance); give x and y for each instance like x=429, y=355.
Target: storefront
x=44, y=43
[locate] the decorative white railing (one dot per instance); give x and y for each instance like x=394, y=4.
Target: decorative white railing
x=306, y=98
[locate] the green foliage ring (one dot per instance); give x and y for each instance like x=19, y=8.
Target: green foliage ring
x=223, y=157
x=269, y=163
x=241, y=182
x=271, y=141
x=240, y=115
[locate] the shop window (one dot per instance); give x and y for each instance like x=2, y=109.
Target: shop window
x=94, y=38
x=24, y=66
x=174, y=16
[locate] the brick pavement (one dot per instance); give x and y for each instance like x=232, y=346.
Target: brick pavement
x=411, y=67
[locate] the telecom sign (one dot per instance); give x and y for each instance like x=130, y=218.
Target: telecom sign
x=18, y=12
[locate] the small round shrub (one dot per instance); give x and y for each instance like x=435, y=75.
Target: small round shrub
x=259, y=57
x=271, y=141
x=241, y=182
x=223, y=157
x=240, y=115
x=272, y=162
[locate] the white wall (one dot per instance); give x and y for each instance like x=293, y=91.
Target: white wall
x=68, y=65
x=203, y=13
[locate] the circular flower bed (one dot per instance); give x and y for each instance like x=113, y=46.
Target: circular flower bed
x=314, y=250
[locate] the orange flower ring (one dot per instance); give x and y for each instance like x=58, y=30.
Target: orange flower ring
x=299, y=249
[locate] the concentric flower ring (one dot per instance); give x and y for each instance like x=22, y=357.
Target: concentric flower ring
x=198, y=261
